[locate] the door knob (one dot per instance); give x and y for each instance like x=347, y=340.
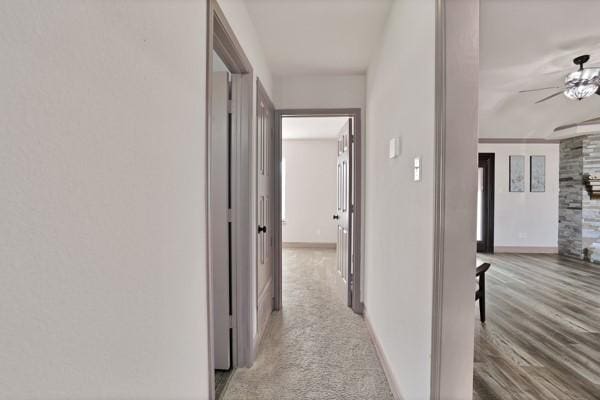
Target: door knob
x=262, y=229
x=335, y=216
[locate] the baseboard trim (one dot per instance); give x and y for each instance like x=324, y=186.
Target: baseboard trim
x=395, y=388
x=308, y=245
x=526, y=249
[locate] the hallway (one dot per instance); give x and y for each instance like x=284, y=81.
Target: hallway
x=316, y=348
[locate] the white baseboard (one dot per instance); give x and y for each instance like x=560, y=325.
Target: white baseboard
x=382, y=358
x=526, y=249
x=308, y=245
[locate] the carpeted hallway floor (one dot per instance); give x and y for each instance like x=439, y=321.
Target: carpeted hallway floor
x=316, y=348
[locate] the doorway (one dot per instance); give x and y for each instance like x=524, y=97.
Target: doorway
x=485, y=203
x=230, y=82
x=342, y=228
x=220, y=226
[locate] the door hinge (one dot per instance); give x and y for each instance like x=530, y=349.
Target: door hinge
x=229, y=106
x=229, y=215
x=231, y=321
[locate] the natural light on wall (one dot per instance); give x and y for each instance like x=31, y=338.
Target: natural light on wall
x=282, y=189
x=479, y=203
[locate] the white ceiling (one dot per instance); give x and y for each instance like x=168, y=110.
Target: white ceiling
x=312, y=128
x=302, y=37
x=528, y=44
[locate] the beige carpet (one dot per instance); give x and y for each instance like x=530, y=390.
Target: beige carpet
x=316, y=348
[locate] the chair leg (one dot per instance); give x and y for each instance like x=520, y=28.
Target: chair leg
x=482, y=298
x=482, y=309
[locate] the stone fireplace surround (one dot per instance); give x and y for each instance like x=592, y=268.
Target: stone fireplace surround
x=579, y=211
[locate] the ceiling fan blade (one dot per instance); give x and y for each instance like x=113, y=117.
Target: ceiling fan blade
x=549, y=97
x=536, y=90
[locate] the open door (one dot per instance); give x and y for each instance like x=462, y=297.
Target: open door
x=265, y=114
x=343, y=214
x=219, y=221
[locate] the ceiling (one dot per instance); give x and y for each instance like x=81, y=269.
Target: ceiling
x=312, y=128
x=302, y=37
x=531, y=44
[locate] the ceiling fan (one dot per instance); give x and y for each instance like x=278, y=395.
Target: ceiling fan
x=584, y=82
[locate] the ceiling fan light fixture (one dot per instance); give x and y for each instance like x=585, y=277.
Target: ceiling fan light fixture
x=583, y=83
x=581, y=91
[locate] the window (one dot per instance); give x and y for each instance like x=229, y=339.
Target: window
x=283, y=189
x=480, y=204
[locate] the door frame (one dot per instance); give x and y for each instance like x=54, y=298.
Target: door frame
x=455, y=197
x=487, y=245
x=357, y=304
x=221, y=38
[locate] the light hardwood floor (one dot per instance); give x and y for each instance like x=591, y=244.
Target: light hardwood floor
x=542, y=335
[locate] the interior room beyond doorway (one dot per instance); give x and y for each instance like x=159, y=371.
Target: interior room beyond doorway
x=309, y=157
x=320, y=179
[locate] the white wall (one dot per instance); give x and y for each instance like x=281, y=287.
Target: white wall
x=525, y=219
x=311, y=185
x=102, y=207
x=399, y=211
x=320, y=91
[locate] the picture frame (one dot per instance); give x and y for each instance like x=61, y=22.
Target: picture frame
x=537, y=174
x=516, y=167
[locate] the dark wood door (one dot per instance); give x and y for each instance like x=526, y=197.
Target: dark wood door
x=485, y=203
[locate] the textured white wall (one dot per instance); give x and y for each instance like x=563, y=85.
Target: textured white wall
x=311, y=185
x=525, y=219
x=399, y=211
x=102, y=207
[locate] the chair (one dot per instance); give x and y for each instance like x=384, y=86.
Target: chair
x=480, y=292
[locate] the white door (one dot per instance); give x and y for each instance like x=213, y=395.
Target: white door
x=264, y=209
x=344, y=212
x=219, y=221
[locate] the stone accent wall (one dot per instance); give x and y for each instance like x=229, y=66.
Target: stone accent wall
x=579, y=214
x=590, y=232
x=570, y=197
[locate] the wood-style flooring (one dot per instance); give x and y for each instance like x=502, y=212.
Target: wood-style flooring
x=542, y=335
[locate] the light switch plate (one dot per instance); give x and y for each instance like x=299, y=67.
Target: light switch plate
x=394, y=147
x=417, y=169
